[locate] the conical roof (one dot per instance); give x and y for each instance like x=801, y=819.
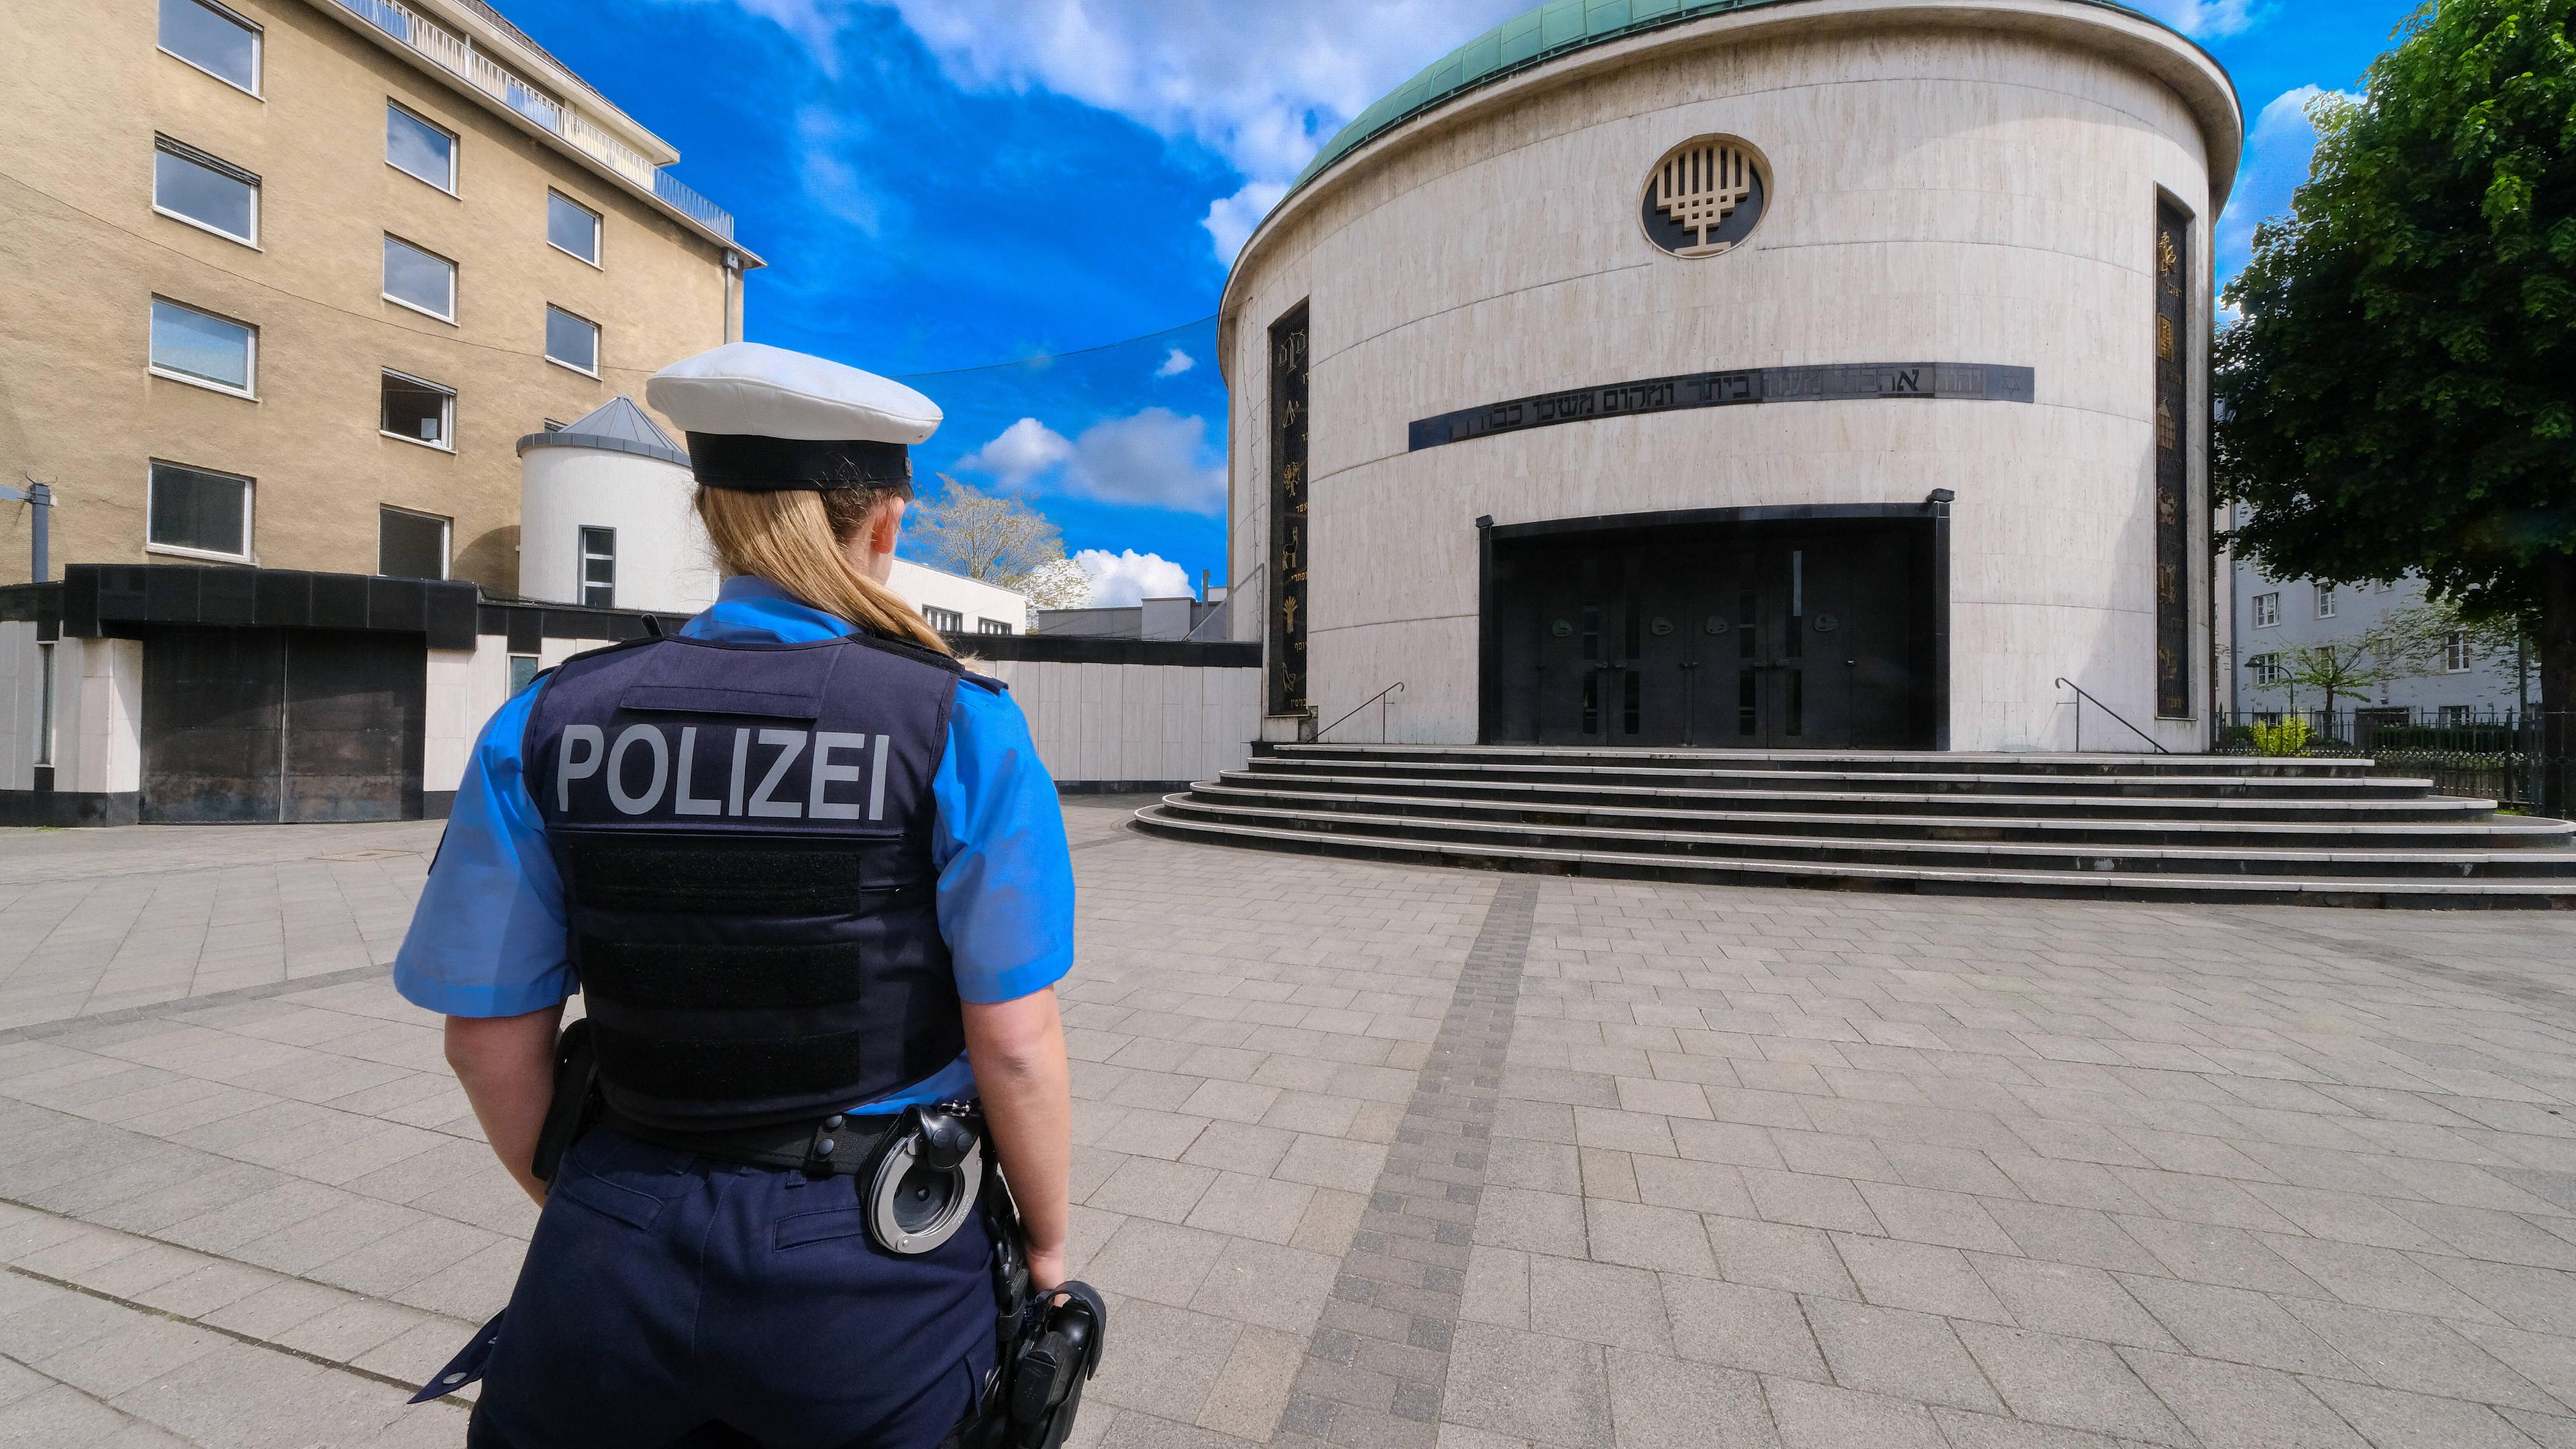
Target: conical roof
x=616, y=426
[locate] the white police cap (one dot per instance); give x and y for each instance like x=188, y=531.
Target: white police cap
x=761, y=417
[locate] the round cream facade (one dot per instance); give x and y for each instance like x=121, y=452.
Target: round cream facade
x=1804, y=374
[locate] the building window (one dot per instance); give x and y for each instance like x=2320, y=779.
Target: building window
x=45, y=704
x=572, y=227
x=189, y=185
x=991, y=626
x=2325, y=601
x=2266, y=668
x=552, y=426
x=599, y=567
x=523, y=671
x=422, y=281
x=2267, y=610
x=572, y=341
x=417, y=148
x=193, y=510
x=202, y=348
x=213, y=39
x=2455, y=715
x=410, y=545
x=418, y=412
x=2456, y=657
x=946, y=621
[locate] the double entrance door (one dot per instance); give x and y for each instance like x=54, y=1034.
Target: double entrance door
x=1758, y=635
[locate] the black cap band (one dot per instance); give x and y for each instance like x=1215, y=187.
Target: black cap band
x=764, y=465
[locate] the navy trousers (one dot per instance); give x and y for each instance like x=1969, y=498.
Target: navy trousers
x=669, y=1300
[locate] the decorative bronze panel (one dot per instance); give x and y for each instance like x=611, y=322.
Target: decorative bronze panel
x=1289, y=551
x=2173, y=513
x=1978, y=381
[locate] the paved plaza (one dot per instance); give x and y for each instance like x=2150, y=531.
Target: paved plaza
x=1373, y=1155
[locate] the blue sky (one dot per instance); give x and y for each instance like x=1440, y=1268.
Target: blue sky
x=940, y=186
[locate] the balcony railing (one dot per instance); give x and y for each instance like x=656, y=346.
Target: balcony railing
x=456, y=55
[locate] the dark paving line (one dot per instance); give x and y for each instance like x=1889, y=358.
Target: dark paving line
x=1375, y=1370
x=178, y=1005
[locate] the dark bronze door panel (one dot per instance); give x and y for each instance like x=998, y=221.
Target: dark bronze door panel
x=1764, y=635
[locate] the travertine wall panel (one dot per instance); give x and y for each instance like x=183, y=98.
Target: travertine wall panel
x=1979, y=190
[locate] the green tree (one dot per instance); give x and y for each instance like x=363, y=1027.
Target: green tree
x=2404, y=644
x=2400, y=395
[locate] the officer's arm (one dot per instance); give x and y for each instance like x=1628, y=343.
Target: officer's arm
x=507, y=1066
x=1017, y=1050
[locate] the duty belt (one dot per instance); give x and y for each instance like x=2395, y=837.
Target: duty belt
x=841, y=1145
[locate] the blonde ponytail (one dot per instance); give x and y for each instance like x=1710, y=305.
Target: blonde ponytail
x=793, y=538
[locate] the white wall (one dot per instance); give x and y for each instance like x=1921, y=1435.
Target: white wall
x=972, y=599
x=98, y=724
x=465, y=687
x=1134, y=722
x=663, y=561
x=1940, y=192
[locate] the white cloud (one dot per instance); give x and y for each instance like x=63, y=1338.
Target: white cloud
x=2207, y=19
x=2278, y=148
x=1156, y=458
x=1176, y=364
x=1261, y=85
x=1128, y=578
x=1021, y=452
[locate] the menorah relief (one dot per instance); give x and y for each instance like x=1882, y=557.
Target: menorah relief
x=1697, y=190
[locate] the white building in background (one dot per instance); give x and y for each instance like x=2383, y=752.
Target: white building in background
x=2271, y=618
x=605, y=519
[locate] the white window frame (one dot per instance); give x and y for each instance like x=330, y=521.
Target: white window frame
x=250, y=505
x=2457, y=657
x=598, y=231
x=454, y=283
x=455, y=151
x=992, y=626
x=932, y=614
x=2455, y=716
x=250, y=358
x=598, y=343
x=446, y=422
x=258, y=49
x=581, y=564
x=172, y=146
x=446, y=533
x=2325, y=601
x=2267, y=610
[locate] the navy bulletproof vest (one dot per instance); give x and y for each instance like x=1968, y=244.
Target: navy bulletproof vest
x=744, y=834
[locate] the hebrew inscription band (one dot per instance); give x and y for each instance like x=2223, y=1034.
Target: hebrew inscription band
x=1978, y=381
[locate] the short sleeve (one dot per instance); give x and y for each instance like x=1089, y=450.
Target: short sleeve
x=1005, y=874
x=488, y=937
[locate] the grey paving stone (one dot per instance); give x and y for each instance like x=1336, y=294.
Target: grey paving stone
x=1909, y=1355
x=2232, y=1406
x=2076, y=1382
x=1532, y=1386
x=1656, y=1402
x=2393, y=1420
x=1816, y=1416
x=1760, y=1329
x=2238, y=1325
x=2424, y=1355
x=1617, y=1307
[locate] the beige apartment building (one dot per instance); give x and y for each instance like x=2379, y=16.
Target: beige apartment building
x=285, y=280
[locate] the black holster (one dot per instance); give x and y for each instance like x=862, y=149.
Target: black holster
x=1048, y=1344
x=577, y=1100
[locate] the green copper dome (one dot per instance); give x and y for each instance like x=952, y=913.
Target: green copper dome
x=1559, y=27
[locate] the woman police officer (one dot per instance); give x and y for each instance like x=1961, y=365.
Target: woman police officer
x=807, y=873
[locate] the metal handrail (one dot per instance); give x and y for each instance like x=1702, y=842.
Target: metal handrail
x=1395, y=688
x=2081, y=695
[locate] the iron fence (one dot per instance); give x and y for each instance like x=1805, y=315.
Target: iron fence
x=2522, y=761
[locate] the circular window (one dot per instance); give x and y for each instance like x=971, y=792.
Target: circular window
x=1705, y=196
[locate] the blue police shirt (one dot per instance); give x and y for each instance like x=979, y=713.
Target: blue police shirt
x=488, y=937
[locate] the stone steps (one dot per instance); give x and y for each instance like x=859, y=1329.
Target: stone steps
x=2134, y=827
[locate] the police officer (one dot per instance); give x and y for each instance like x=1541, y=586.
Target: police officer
x=807, y=873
